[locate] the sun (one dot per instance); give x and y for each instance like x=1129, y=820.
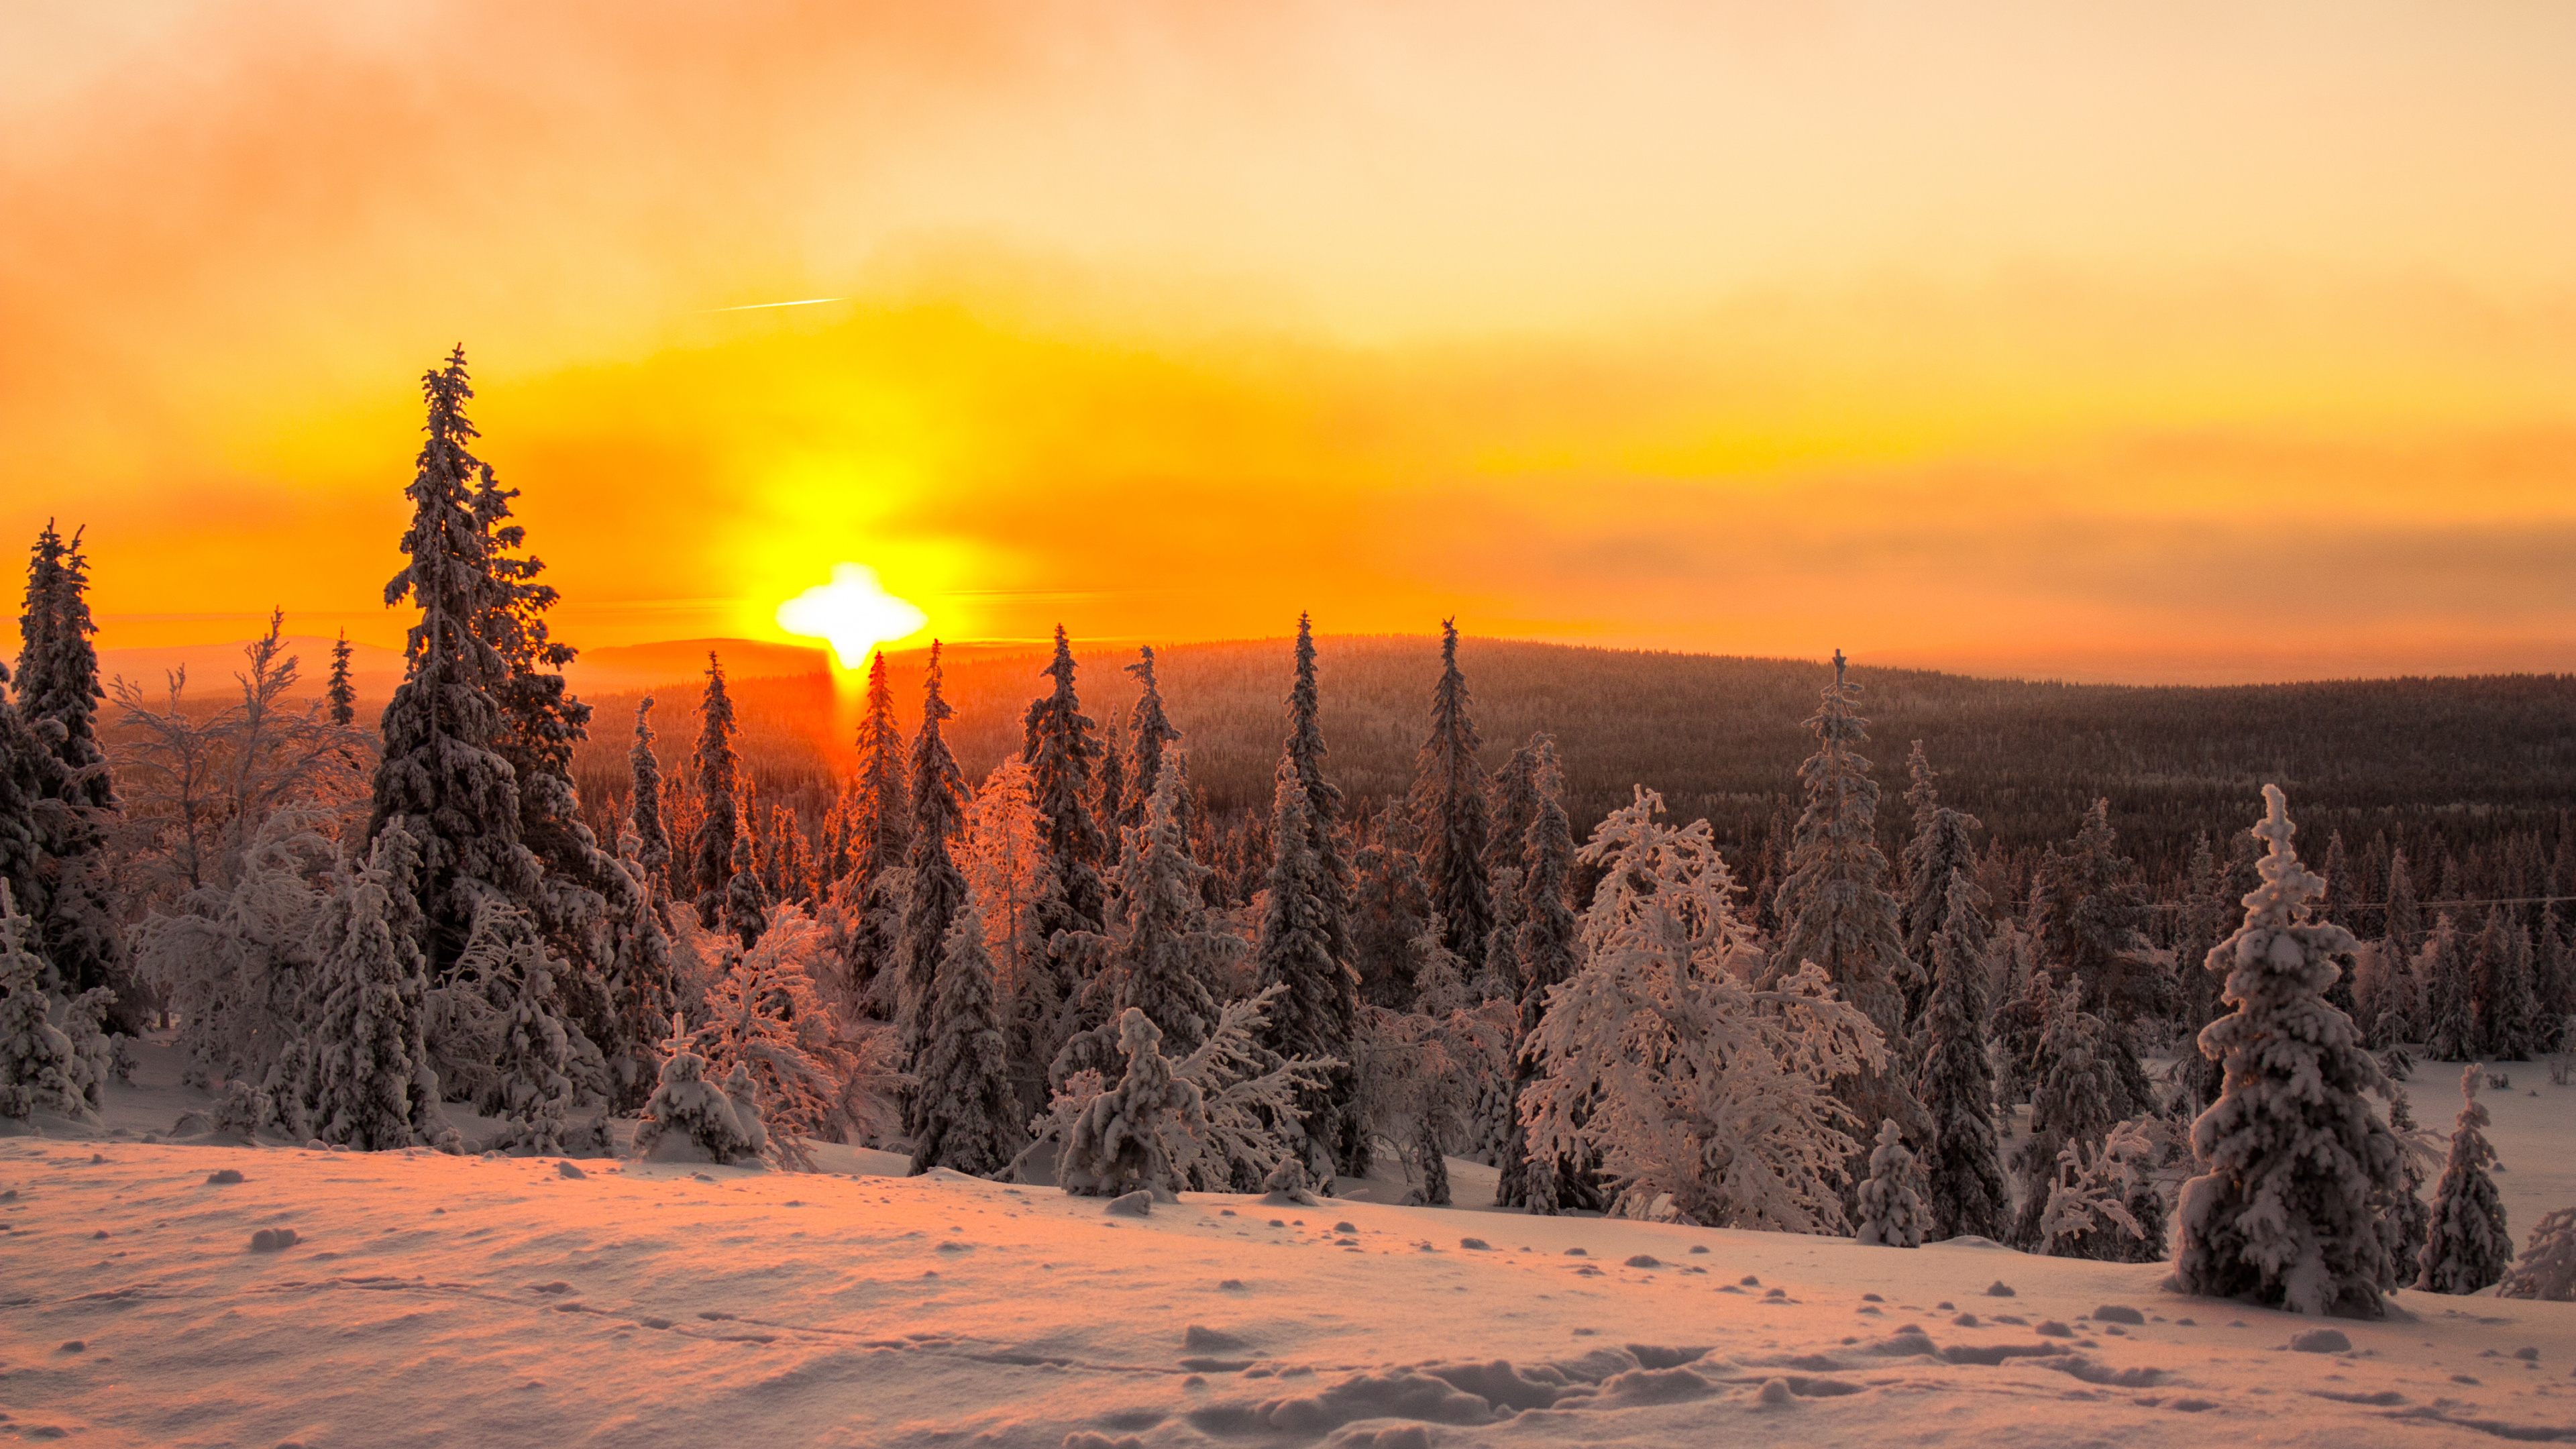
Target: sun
x=854, y=612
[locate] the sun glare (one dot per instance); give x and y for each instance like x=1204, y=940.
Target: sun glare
x=854, y=612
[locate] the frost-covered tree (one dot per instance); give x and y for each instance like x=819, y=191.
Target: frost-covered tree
x=39, y=1070
x=2076, y=1100
x=1965, y=1191
x=1317, y=1011
x=969, y=1113
x=529, y=1089
x=1149, y=730
x=643, y=980
x=2547, y=1271
x=1425, y=1073
x=1163, y=949
x=691, y=1118
x=1389, y=903
x=1450, y=806
x=936, y=888
x=1833, y=908
x=1058, y=750
x=371, y=1086
x=57, y=677
x=1548, y=956
x=717, y=773
x=768, y=1034
x=2404, y=1218
x=1892, y=1213
x=1132, y=1137
x=869, y=900
x=443, y=776
x=1706, y=1100
x=2101, y=1202
x=2295, y=1158
x=340, y=692
x=1515, y=791
x=2404, y=919
x=1009, y=875
x=2466, y=1243
x=644, y=802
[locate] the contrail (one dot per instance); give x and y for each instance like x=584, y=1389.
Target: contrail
x=757, y=306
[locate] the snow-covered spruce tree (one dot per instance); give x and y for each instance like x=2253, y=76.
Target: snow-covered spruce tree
x=2295, y=1157
x=717, y=772
x=443, y=776
x=1834, y=909
x=1002, y=851
x=689, y=1118
x=936, y=889
x=1939, y=848
x=340, y=692
x=1389, y=903
x=2450, y=1034
x=1149, y=730
x=1449, y=806
x=1132, y=1137
x=530, y=1089
x=77, y=918
x=644, y=803
x=367, y=1038
x=1707, y=1100
x=1965, y=1191
x=39, y=1071
x=1892, y=1213
x=969, y=1113
x=1059, y=747
x=1548, y=956
x=643, y=980
x=869, y=900
x=2547, y=1271
x=1163, y=948
x=2466, y=1243
x=1318, y=1008
x=746, y=904
x=1328, y=1035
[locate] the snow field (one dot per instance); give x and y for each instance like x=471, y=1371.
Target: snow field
x=430, y=1299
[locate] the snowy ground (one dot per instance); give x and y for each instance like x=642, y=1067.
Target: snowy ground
x=431, y=1299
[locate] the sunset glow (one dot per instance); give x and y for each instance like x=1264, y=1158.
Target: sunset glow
x=1999, y=339
x=853, y=612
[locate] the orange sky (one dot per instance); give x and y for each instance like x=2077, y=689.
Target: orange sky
x=2136, y=342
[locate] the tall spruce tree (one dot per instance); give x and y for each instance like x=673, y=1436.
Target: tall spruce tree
x=340, y=694
x=1306, y=751
x=644, y=804
x=1059, y=747
x=1966, y=1192
x=1149, y=729
x=74, y=908
x=1316, y=1013
x=937, y=888
x=1834, y=909
x=443, y=776
x=1549, y=952
x=2450, y=997
x=719, y=796
x=2508, y=1010
x=1451, y=810
x=2296, y=1160
x=880, y=842
x=2403, y=920
x=969, y=1118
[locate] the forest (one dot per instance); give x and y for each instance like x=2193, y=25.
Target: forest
x=1735, y=943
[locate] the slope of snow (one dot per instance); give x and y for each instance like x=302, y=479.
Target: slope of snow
x=439, y=1300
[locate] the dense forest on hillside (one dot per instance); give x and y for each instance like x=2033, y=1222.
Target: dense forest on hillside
x=2439, y=767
